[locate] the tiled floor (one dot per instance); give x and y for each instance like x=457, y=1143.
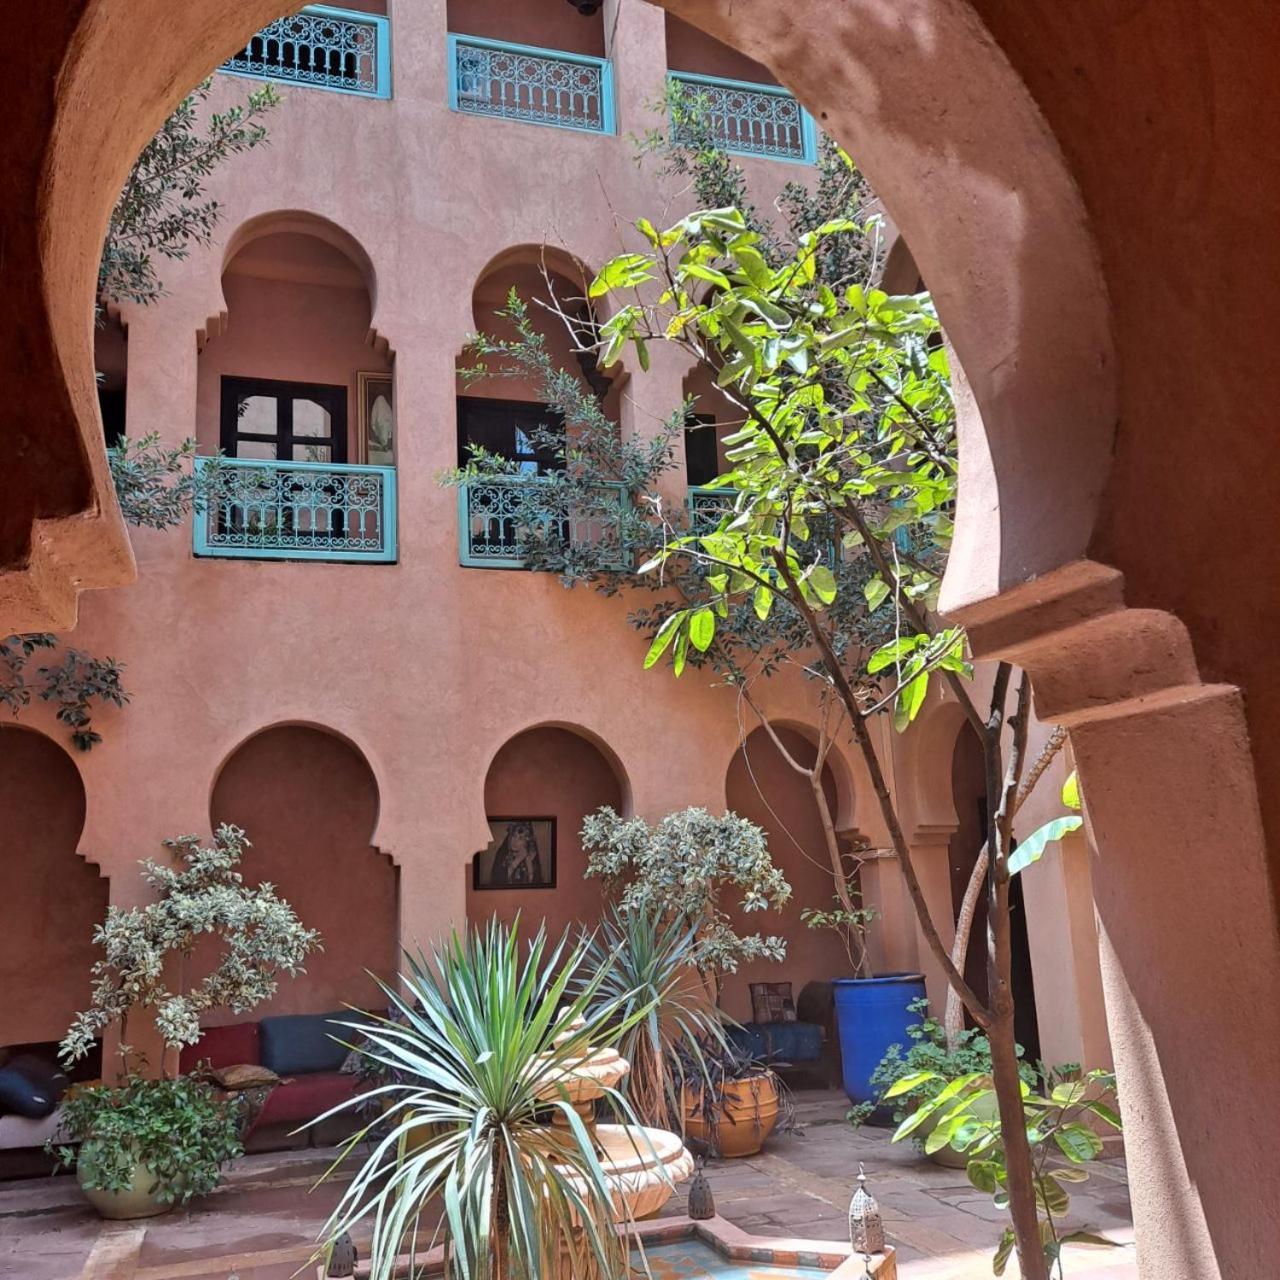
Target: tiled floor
x=259, y=1225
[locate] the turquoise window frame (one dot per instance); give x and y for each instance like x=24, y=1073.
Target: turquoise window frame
x=382, y=73
x=607, y=109
x=808, y=126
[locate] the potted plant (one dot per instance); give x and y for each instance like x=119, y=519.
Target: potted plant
x=146, y=1144
x=470, y=1135
x=678, y=874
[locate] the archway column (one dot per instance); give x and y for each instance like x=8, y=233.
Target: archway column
x=1190, y=954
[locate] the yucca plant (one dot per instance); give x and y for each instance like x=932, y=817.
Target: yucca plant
x=647, y=968
x=465, y=1150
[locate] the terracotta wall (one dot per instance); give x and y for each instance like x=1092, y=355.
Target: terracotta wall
x=691, y=49
x=50, y=897
x=297, y=310
x=550, y=24
x=547, y=772
x=763, y=787
x=309, y=804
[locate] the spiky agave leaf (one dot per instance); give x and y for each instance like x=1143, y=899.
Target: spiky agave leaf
x=471, y=1048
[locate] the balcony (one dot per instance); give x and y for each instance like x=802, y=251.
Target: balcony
x=343, y=50
x=260, y=510
x=753, y=119
x=536, y=86
x=495, y=521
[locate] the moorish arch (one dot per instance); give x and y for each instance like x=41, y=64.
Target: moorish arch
x=308, y=801
x=51, y=897
x=540, y=785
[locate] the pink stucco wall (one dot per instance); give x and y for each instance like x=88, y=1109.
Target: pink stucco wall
x=50, y=896
x=691, y=49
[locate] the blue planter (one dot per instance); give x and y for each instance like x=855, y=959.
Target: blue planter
x=872, y=1014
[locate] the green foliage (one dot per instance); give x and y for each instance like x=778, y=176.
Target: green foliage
x=643, y=967
x=182, y=1130
x=203, y=894
x=849, y=924
x=163, y=209
x=682, y=869
x=1061, y=1123
x=484, y=1040
x=158, y=487
x=928, y=1059
x=1032, y=848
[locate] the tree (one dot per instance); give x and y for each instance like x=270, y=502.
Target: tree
x=162, y=211
x=847, y=425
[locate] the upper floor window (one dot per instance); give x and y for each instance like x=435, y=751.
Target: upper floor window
x=347, y=50
x=510, y=429
x=283, y=421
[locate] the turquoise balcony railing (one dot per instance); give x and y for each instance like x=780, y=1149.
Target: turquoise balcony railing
x=496, y=520
x=538, y=86
x=753, y=119
x=323, y=48
x=259, y=510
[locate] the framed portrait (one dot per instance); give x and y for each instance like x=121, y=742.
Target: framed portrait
x=521, y=855
x=377, y=419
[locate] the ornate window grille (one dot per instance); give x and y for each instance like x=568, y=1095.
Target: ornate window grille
x=538, y=86
x=753, y=119
x=324, y=48
x=495, y=522
x=261, y=510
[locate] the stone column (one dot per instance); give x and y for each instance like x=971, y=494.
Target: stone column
x=1190, y=952
x=636, y=45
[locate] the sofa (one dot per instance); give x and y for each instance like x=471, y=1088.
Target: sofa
x=32, y=1084
x=299, y=1048
x=792, y=1037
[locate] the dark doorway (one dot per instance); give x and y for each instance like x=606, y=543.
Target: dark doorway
x=968, y=790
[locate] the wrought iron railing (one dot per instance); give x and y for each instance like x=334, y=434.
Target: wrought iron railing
x=323, y=48
x=259, y=510
x=753, y=119
x=497, y=520
x=538, y=86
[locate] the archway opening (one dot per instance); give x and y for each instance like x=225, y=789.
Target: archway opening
x=968, y=790
x=762, y=786
x=296, y=374
x=50, y=897
x=309, y=804
x=540, y=786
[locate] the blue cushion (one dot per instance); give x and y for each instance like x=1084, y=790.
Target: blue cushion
x=302, y=1043
x=30, y=1088
x=779, y=1041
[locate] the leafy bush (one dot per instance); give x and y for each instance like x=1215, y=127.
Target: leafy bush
x=182, y=1130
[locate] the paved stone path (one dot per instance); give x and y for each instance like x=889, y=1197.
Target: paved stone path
x=261, y=1222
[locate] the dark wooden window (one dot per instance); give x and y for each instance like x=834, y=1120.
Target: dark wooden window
x=701, y=458
x=507, y=428
x=286, y=421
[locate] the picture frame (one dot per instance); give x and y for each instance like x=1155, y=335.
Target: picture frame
x=521, y=854
x=376, y=419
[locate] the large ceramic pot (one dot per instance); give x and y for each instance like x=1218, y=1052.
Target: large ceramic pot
x=743, y=1119
x=137, y=1200
x=872, y=1014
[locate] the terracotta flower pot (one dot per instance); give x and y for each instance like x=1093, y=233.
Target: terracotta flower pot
x=137, y=1200
x=743, y=1120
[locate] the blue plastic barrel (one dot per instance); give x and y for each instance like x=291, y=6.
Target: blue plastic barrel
x=872, y=1014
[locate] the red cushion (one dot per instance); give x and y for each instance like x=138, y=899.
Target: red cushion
x=223, y=1047
x=301, y=1099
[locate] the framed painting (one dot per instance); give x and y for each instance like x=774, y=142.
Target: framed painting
x=521, y=855
x=377, y=419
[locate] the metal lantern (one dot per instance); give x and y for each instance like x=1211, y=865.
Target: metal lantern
x=866, y=1230
x=702, y=1203
x=343, y=1258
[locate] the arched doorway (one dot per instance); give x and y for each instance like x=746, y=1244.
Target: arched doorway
x=50, y=897
x=309, y=803
x=540, y=786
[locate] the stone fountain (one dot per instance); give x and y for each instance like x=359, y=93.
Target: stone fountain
x=641, y=1164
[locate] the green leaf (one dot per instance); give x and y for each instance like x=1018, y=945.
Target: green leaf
x=892, y=652
x=681, y=652
x=702, y=629
x=1078, y=1142
x=1032, y=848
x=1052, y=1196
x=905, y=1084
x=985, y=1175
x=876, y=590
x=823, y=582
x=666, y=633
x=762, y=600
x=624, y=272
x=1004, y=1250
x=1071, y=791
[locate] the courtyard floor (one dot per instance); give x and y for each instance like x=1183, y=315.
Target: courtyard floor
x=259, y=1225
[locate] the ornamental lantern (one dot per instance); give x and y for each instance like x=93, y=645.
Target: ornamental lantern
x=866, y=1230
x=702, y=1204
x=343, y=1257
